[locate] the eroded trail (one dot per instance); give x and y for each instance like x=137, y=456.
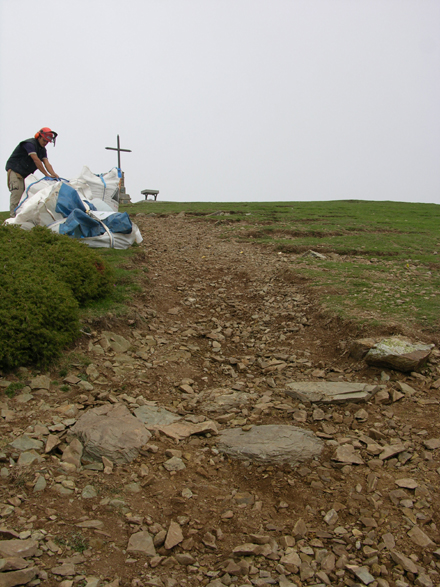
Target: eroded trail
x=218, y=333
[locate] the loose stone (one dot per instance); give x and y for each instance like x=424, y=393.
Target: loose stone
x=174, y=536
x=270, y=444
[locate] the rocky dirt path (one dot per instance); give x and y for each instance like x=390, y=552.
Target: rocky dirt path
x=219, y=332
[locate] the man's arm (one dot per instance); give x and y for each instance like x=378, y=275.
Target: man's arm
x=45, y=169
x=38, y=163
x=50, y=169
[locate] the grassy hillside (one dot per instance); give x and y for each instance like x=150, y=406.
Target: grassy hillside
x=382, y=259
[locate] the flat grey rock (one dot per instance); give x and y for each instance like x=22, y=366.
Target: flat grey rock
x=89, y=492
x=40, y=382
x=328, y=392
x=65, y=570
x=13, y=564
x=40, y=485
x=362, y=573
x=406, y=563
x=21, y=577
x=223, y=400
x=61, y=490
x=141, y=542
x=111, y=431
x=419, y=537
x=174, y=464
x=115, y=342
x=28, y=457
x=314, y=254
x=95, y=524
x=270, y=444
x=347, y=454
x=133, y=488
x=24, y=398
x=402, y=355
x=73, y=453
x=26, y=443
x=20, y=548
x=154, y=417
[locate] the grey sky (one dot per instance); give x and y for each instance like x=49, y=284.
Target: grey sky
x=230, y=100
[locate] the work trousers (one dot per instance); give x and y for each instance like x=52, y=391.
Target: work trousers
x=16, y=187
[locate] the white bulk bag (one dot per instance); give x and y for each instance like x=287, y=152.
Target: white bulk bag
x=103, y=187
x=38, y=202
x=113, y=240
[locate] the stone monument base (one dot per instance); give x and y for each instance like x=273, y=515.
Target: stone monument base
x=124, y=199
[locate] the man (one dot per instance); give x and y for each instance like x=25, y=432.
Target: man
x=26, y=158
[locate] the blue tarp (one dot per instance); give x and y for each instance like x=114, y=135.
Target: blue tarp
x=78, y=224
x=119, y=222
x=69, y=200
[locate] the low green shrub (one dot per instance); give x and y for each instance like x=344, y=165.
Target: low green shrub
x=72, y=262
x=44, y=279
x=13, y=388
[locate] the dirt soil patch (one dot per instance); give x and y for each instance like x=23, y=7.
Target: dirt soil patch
x=220, y=314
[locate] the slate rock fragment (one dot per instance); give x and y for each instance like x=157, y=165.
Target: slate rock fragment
x=115, y=342
x=20, y=577
x=270, y=444
x=329, y=392
x=359, y=348
x=347, y=454
x=153, y=417
x=398, y=354
x=24, y=443
x=111, y=431
x=141, y=542
x=18, y=548
x=221, y=401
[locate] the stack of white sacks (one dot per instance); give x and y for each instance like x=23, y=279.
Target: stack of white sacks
x=96, y=196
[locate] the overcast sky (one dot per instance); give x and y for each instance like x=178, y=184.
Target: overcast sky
x=230, y=100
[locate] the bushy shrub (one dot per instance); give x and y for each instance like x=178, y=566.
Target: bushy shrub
x=71, y=261
x=44, y=278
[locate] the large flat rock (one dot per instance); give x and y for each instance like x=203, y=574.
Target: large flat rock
x=399, y=354
x=21, y=577
x=18, y=548
x=112, y=432
x=154, y=417
x=25, y=442
x=270, y=444
x=328, y=392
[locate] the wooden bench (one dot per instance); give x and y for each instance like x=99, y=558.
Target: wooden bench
x=153, y=193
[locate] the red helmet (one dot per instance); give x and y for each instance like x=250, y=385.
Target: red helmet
x=49, y=135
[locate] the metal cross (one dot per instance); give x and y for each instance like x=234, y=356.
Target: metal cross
x=118, y=149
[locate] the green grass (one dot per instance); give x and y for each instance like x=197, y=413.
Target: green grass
x=128, y=280
x=383, y=258
x=12, y=389
x=75, y=540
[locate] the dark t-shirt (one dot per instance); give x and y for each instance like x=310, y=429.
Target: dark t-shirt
x=21, y=162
